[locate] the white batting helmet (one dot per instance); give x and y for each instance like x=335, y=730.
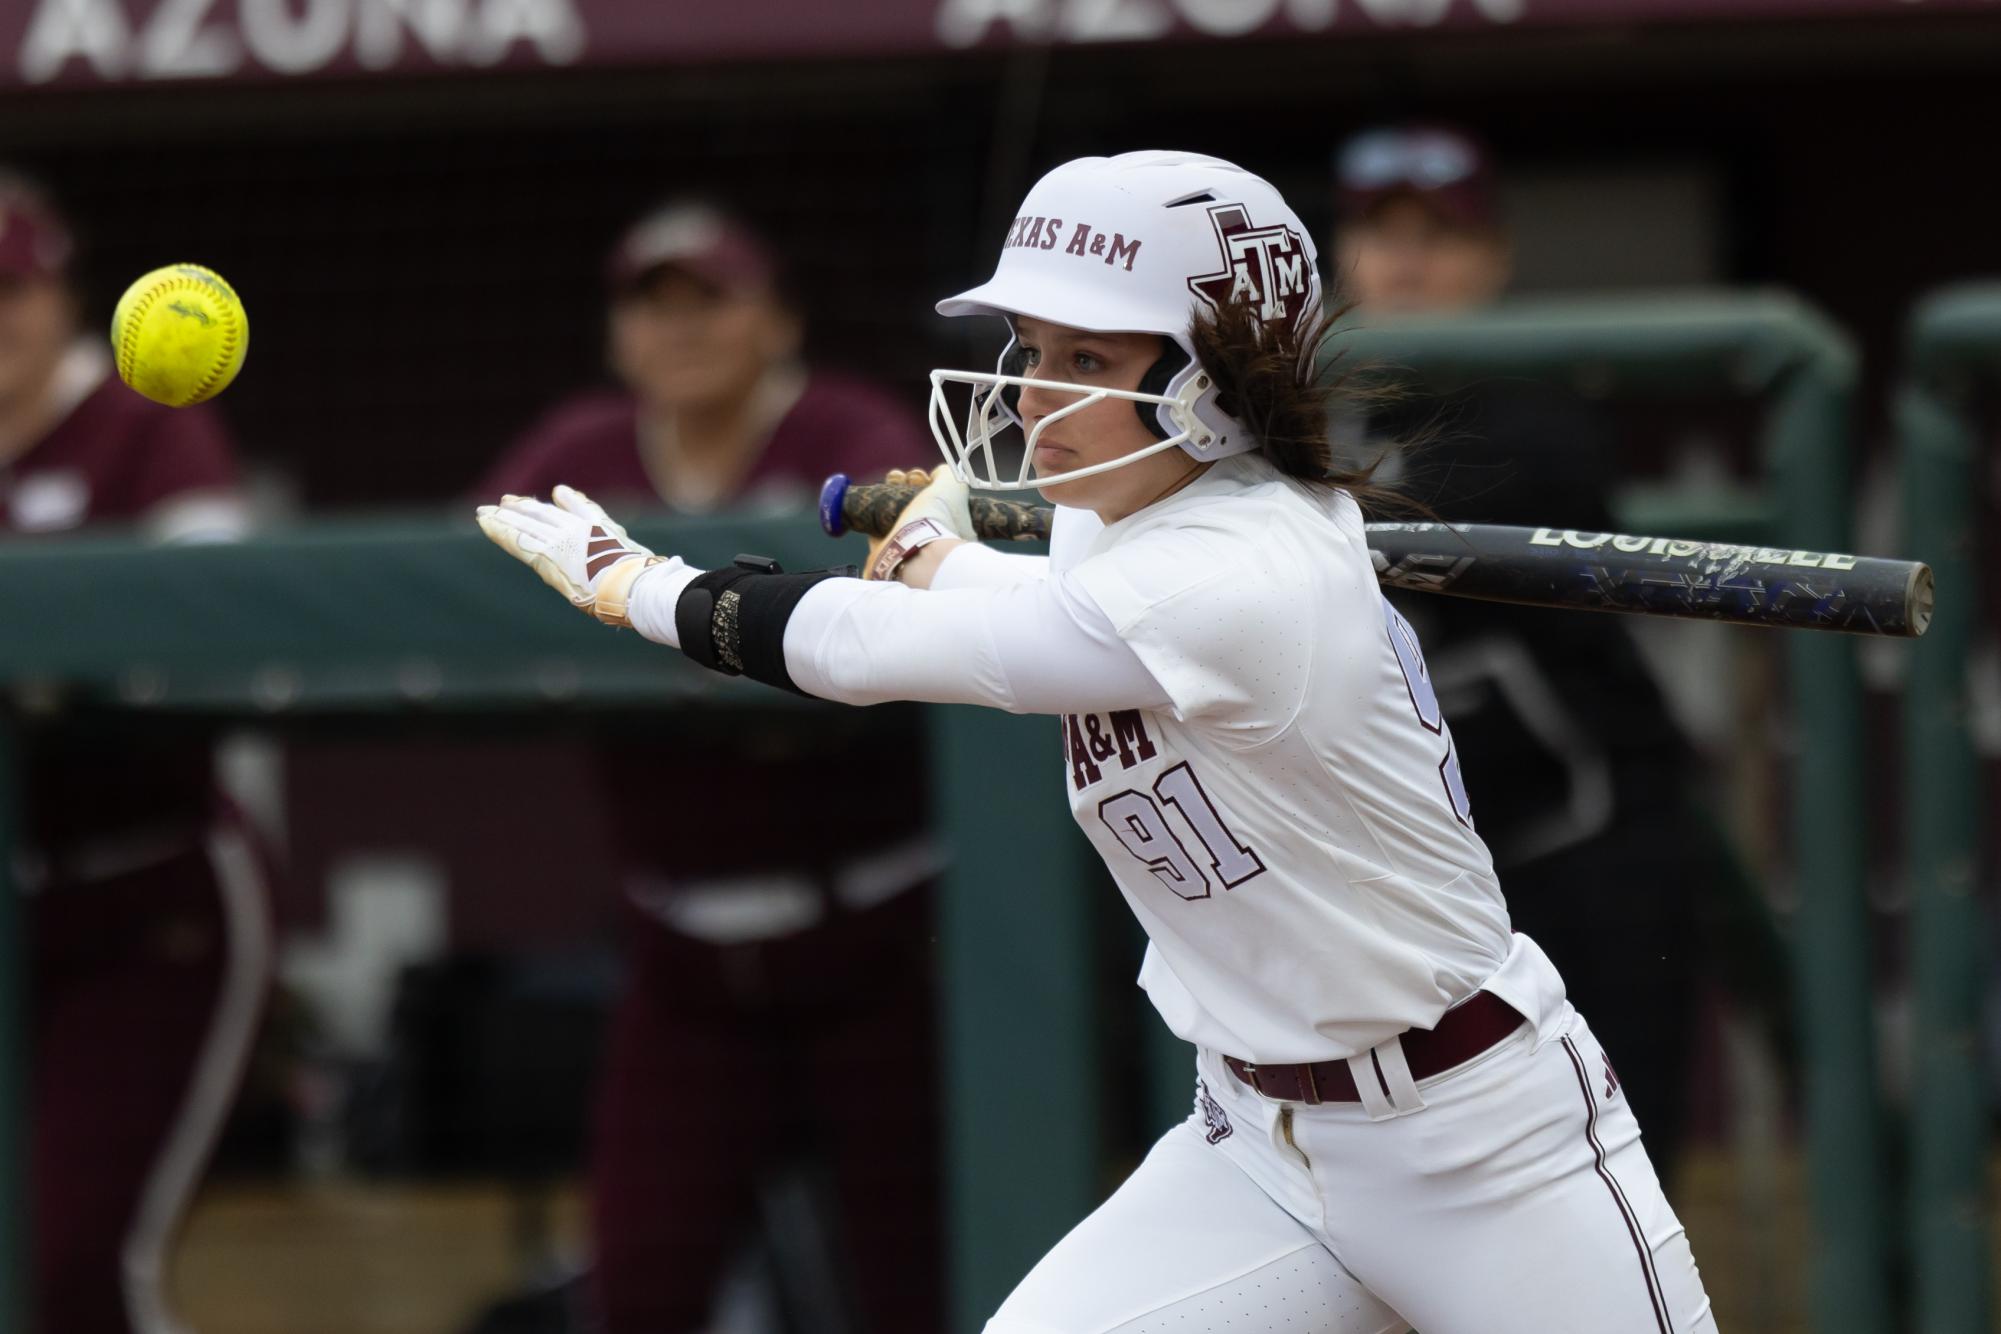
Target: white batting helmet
x=1137, y=243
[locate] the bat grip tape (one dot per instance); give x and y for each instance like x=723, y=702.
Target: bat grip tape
x=732, y=620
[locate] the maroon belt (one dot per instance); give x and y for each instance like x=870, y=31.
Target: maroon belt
x=1464, y=1032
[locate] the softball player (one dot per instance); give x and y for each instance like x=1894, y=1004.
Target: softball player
x=1398, y=1119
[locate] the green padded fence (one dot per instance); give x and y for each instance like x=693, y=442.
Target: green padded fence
x=1953, y=355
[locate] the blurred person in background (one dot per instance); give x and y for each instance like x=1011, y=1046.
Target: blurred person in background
x=1575, y=768
x=1420, y=230
x=779, y=1002
x=147, y=914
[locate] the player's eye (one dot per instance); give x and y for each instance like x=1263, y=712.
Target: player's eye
x=1029, y=356
x=1086, y=364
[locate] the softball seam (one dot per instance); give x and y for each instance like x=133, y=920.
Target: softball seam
x=128, y=353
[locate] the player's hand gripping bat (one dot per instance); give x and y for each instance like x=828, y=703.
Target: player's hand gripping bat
x=1549, y=567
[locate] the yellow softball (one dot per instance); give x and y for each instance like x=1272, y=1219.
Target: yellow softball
x=179, y=334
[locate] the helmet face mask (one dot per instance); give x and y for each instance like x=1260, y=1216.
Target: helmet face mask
x=970, y=449
x=1139, y=243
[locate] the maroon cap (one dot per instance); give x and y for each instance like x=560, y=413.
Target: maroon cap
x=33, y=240
x=701, y=240
x=1446, y=168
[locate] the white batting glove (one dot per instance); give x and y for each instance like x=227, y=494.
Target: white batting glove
x=938, y=511
x=577, y=549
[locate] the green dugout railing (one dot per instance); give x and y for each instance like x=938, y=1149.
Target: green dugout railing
x=1953, y=359
x=1773, y=348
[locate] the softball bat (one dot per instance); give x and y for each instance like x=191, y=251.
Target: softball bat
x=1777, y=587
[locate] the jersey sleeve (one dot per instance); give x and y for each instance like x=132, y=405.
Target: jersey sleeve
x=1225, y=624
x=1032, y=647
x=1071, y=533
x=976, y=565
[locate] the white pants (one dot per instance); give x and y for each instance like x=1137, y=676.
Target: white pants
x=1515, y=1199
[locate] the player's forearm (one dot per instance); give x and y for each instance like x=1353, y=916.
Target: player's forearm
x=1023, y=649
x=654, y=596
x=819, y=659
x=870, y=643
x=1042, y=645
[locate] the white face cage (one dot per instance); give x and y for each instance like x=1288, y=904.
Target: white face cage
x=971, y=451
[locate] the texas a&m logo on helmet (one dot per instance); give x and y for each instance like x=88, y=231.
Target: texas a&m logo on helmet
x=1265, y=266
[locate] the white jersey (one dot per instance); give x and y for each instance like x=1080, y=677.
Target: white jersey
x=1291, y=830
x=1251, y=742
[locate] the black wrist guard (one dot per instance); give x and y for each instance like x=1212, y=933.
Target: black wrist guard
x=732, y=620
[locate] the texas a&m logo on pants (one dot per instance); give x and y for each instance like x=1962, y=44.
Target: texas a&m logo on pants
x=1215, y=1121
x=1266, y=266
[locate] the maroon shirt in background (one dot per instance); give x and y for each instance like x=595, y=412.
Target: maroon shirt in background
x=111, y=460
x=591, y=442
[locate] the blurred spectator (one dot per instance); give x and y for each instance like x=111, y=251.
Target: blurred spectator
x=780, y=1000
x=148, y=917
x=1576, y=771
x=1420, y=223
x=714, y=409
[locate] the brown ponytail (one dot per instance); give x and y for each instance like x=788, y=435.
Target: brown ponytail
x=1268, y=377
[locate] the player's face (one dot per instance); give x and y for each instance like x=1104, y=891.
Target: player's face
x=1106, y=430
x=1405, y=258
x=37, y=321
x=681, y=344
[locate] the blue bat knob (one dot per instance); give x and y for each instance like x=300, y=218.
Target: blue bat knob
x=832, y=494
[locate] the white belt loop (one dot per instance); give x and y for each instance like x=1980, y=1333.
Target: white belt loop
x=1395, y=1066
x=1374, y=1101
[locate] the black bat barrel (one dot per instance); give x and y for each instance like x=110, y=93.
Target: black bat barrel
x=1656, y=576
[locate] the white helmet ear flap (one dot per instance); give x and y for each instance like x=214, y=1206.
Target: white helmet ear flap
x=1211, y=433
